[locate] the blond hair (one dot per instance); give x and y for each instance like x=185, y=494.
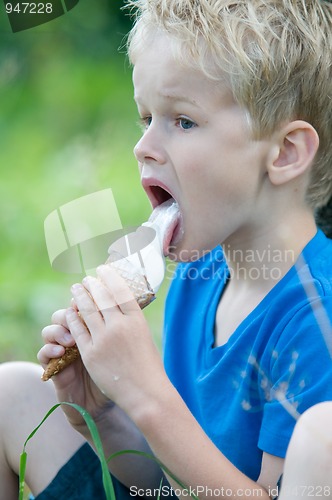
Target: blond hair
x=277, y=55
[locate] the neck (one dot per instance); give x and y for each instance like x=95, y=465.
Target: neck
x=261, y=261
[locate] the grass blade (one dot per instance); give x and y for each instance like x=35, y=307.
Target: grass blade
x=107, y=480
x=23, y=457
x=160, y=486
x=161, y=465
x=23, y=464
x=106, y=476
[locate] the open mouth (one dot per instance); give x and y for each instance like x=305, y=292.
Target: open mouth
x=161, y=198
x=157, y=195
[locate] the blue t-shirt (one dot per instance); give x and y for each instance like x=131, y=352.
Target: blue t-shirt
x=247, y=393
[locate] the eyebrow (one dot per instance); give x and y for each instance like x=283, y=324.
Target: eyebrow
x=174, y=97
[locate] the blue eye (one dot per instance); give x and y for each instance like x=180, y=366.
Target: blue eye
x=145, y=122
x=186, y=124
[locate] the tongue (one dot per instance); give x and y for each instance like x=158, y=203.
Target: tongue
x=164, y=219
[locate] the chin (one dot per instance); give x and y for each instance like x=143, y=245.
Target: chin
x=186, y=252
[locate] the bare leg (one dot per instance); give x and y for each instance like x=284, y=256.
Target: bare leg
x=24, y=401
x=308, y=465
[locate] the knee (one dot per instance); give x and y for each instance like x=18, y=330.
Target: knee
x=24, y=398
x=19, y=383
x=320, y=410
x=18, y=373
x=317, y=421
x=311, y=441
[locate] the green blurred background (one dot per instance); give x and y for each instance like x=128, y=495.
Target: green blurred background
x=68, y=128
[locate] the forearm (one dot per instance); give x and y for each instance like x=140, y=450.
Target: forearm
x=124, y=363
x=119, y=433
x=182, y=446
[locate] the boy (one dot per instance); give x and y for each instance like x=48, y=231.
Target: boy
x=235, y=102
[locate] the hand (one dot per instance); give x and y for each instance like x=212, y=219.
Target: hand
x=115, y=342
x=74, y=383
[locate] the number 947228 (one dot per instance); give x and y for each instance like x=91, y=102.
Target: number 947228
x=29, y=8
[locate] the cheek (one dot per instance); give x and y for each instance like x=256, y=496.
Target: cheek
x=217, y=170
x=140, y=167
x=204, y=181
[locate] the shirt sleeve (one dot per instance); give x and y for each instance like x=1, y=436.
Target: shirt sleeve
x=301, y=374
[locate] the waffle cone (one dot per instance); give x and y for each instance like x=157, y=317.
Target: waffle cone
x=142, y=292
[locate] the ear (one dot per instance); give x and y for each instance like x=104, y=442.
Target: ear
x=293, y=152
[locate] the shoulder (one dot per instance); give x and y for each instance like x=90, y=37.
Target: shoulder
x=296, y=324
x=307, y=288
x=316, y=261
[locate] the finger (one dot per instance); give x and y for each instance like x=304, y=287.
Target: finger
x=121, y=292
x=78, y=329
x=49, y=351
x=73, y=305
x=57, y=334
x=59, y=317
x=88, y=313
x=102, y=297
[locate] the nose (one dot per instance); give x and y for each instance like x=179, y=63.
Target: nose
x=150, y=148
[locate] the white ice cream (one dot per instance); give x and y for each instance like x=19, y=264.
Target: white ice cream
x=147, y=247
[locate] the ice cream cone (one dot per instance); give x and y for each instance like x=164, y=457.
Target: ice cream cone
x=142, y=292
x=137, y=271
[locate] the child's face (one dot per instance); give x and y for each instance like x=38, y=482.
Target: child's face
x=196, y=146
